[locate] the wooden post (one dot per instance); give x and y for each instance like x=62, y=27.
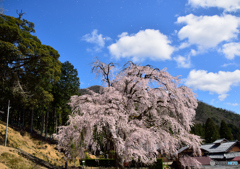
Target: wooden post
x=7, y=123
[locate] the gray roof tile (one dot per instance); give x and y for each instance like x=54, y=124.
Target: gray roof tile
x=226, y=155
x=220, y=140
x=182, y=149
x=232, y=154
x=217, y=156
x=213, y=148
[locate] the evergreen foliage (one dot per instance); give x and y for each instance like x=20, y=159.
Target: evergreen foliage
x=33, y=78
x=64, y=89
x=28, y=68
x=205, y=111
x=235, y=131
x=211, y=132
x=225, y=131
x=199, y=130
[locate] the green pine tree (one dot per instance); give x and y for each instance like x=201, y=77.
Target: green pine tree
x=198, y=129
x=225, y=132
x=235, y=131
x=64, y=89
x=28, y=69
x=211, y=132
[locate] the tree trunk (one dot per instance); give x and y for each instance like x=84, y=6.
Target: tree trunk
x=54, y=121
x=32, y=120
x=60, y=117
x=118, y=161
x=42, y=120
x=54, y=130
x=23, y=125
x=46, y=126
x=19, y=117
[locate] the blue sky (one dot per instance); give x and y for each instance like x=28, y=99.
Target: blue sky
x=198, y=39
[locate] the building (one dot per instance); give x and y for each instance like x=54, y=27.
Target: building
x=219, y=150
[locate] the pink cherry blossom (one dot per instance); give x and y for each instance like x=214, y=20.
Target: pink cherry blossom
x=145, y=111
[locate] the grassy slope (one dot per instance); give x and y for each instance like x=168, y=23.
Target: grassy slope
x=24, y=141
x=9, y=158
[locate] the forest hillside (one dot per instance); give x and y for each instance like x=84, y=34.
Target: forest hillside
x=205, y=111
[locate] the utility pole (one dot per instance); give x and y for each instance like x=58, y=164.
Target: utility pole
x=7, y=122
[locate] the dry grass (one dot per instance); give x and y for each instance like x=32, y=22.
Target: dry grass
x=3, y=166
x=29, y=144
x=14, y=161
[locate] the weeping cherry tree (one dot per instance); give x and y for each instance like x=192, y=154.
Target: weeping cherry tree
x=143, y=111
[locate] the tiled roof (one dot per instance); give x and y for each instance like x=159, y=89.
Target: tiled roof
x=182, y=149
x=232, y=154
x=213, y=148
x=226, y=155
x=220, y=140
x=217, y=156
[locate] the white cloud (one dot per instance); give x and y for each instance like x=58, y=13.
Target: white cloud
x=227, y=5
x=231, y=50
x=229, y=64
x=147, y=43
x=208, y=31
x=184, y=45
x=219, y=83
x=193, y=52
x=183, y=62
x=233, y=104
x=221, y=97
x=96, y=39
x=123, y=34
x=212, y=101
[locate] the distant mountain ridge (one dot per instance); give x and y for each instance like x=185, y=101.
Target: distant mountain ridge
x=203, y=111
x=94, y=88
